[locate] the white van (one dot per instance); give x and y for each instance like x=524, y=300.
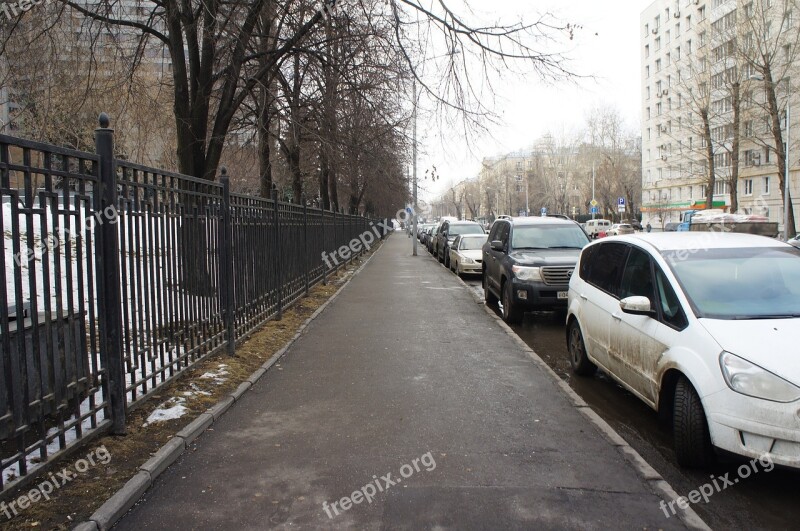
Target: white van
x=593, y=226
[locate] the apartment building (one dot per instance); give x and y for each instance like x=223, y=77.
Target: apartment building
x=694, y=61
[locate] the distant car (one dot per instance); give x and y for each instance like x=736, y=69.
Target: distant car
x=527, y=263
x=671, y=227
x=596, y=226
x=635, y=223
x=794, y=241
x=701, y=329
x=447, y=233
x=466, y=255
x=618, y=229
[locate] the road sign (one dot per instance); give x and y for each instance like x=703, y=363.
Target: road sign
x=544, y=211
x=593, y=202
x=620, y=208
x=621, y=201
x=595, y=210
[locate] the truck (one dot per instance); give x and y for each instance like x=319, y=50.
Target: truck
x=719, y=221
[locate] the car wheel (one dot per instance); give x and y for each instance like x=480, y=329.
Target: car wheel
x=581, y=364
x=488, y=296
x=690, y=428
x=511, y=314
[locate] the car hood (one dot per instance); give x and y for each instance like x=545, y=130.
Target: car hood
x=769, y=343
x=475, y=254
x=546, y=257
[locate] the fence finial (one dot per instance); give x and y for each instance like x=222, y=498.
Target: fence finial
x=104, y=120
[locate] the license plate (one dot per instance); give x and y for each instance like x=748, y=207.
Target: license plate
x=562, y=294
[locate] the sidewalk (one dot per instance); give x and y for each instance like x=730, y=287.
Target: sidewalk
x=403, y=372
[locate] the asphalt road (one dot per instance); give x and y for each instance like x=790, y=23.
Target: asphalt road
x=765, y=500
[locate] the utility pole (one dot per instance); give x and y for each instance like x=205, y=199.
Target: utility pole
x=414, y=155
x=786, y=190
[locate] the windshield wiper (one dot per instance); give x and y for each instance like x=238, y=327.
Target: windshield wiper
x=529, y=248
x=564, y=247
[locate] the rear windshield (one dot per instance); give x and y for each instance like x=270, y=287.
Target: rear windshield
x=472, y=243
x=465, y=229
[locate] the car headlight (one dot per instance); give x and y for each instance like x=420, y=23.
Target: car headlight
x=751, y=380
x=527, y=273
x=465, y=260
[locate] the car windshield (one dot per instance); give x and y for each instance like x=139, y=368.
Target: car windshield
x=740, y=283
x=472, y=243
x=561, y=236
x=455, y=230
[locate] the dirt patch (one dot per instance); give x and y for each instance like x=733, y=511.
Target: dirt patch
x=196, y=390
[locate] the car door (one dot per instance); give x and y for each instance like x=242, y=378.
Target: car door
x=634, y=348
x=494, y=263
x=598, y=294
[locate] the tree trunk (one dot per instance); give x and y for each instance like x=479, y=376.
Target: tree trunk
x=734, y=190
x=780, y=151
x=712, y=172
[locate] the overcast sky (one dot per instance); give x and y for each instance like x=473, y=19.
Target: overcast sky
x=606, y=47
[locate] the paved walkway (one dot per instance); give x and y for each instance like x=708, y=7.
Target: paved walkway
x=403, y=374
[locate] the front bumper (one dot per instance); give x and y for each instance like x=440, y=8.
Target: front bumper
x=752, y=427
x=538, y=295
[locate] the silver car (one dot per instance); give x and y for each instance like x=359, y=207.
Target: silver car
x=466, y=255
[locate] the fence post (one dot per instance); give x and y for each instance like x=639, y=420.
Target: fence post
x=109, y=293
x=335, y=241
x=306, y=258
x=276, y=253
x=226, y=284
x=324, y=247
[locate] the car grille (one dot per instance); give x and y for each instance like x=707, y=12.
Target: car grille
x=556, y=276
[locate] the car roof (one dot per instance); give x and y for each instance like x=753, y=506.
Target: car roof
x=674, y=241
x=464, y=222
x=539, y=220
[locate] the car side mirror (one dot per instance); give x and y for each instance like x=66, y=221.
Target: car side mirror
x=636, y=305
x=497, y=245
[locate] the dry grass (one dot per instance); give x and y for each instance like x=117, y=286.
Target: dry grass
x=78, y=499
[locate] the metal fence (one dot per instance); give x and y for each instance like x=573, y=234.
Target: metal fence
x=119, y=277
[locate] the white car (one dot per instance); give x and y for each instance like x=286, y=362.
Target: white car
x=618, y=229
x=466, y=255
x=702, y=327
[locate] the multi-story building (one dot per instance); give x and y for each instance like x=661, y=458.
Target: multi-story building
x=695, y=72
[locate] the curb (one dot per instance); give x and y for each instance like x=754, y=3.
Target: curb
x=649, y=474
x=118, y=504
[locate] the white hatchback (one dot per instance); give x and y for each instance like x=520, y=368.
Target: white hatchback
x=702, y=327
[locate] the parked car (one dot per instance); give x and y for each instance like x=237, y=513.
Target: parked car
x=618, y=229
x=795, y=242
x=466, y=255
x=702, y=329
x=527, y=263
x=635, y=223
x=448, y=232
x=595, y=226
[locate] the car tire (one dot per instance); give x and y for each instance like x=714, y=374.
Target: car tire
x=692, y=441
x=511, y=313
x=580, y=362
x=488, y=296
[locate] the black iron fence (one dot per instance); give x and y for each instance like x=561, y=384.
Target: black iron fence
x=119, y=277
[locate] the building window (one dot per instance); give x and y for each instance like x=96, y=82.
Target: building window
x=688, y=21
x=658, y=43
x=677, y=29
x=658, y=65
x=647, y=92
x=647, y=71
x=748, y=187
x=766, y=186
x=647, y=51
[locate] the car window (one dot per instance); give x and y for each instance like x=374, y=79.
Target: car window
x=605, y=266
x=668, y=302
x=637, y=279
x=493, y=231
x=471, y=243
x=548, y=237
x=466, y=229
x=502, y=232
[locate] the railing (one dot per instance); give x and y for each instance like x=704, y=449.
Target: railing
x=119, y=277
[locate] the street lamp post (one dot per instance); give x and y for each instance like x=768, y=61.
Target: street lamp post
x=414, y=155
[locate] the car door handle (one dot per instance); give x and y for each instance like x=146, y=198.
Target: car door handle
x=584, y=297
x=616, y=316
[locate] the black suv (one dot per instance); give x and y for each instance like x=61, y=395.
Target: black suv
x=527, y=262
